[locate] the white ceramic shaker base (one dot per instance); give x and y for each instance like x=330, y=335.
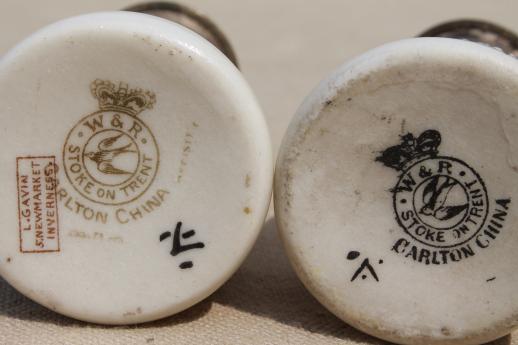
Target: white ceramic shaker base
x=136, y=166
x=396, y=191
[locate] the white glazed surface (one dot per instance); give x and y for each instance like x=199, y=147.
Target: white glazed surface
x=333, y=197
x=121, y=273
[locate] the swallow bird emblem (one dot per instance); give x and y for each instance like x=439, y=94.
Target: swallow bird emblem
x=435, y=196
x=108, y=149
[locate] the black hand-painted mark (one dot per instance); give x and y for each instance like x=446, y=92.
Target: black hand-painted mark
x=353, y=255
x=365, y=265
x=178, y=247
x=490, y=279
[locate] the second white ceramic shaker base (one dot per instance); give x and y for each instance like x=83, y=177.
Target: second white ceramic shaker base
x=396, y=191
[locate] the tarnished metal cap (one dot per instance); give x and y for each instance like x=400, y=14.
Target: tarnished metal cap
x=477, y=31
x=192, y=20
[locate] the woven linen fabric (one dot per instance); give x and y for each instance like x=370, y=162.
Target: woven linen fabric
x=285, y=47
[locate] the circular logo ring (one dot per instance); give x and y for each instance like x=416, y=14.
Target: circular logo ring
x=110, y=157
x=441, y=202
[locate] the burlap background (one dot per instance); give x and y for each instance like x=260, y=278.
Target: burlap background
x=285, y=47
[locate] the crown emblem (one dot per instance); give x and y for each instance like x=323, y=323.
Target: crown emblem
x=411, y=149
x=121, y=98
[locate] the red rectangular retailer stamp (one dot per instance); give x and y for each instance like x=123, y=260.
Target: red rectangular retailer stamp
x=37, y=204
